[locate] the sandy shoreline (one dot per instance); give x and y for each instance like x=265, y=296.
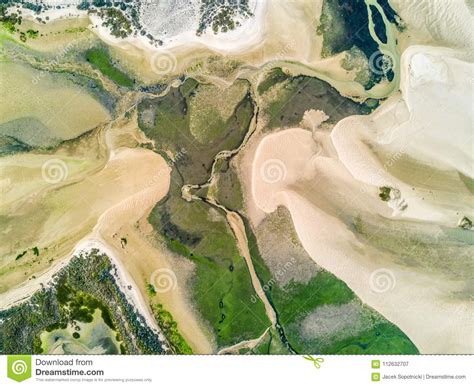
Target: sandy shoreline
x=246, y=36
x=126, y=284
x=153, y=191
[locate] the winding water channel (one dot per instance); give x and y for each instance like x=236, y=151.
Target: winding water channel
x=237, y=226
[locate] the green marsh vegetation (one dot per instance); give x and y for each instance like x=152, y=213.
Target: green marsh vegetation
x=229, y=190
x=297, y=302
x=100, y=59
x=270, y=345
x=222, y=287
x=275, y=76
x=177, y=121
x=190, y=126
x=288, y=98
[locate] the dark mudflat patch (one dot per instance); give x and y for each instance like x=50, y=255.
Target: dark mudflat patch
x=344, y=23
x=304, y=93
x=167, y=121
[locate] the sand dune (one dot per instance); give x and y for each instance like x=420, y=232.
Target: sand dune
x=319, y=197
x=125, y=175
x=430, y=121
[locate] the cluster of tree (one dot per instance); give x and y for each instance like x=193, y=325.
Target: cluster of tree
x=221, y=15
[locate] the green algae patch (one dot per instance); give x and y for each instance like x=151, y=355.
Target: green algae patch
x=100, y=59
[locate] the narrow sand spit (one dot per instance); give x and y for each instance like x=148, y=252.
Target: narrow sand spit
x=238, y=228
x=249, y=344
x=124, y=280
x=130, y=210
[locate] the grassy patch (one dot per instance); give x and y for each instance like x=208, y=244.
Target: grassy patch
x=172, y=121
x=275, y=76
x=150, y=290
x=221, y=287
x=296, y=301
x=270, y=345
x=211, y=107
x=229, y=190
x=100, y=59
x=286, y=105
